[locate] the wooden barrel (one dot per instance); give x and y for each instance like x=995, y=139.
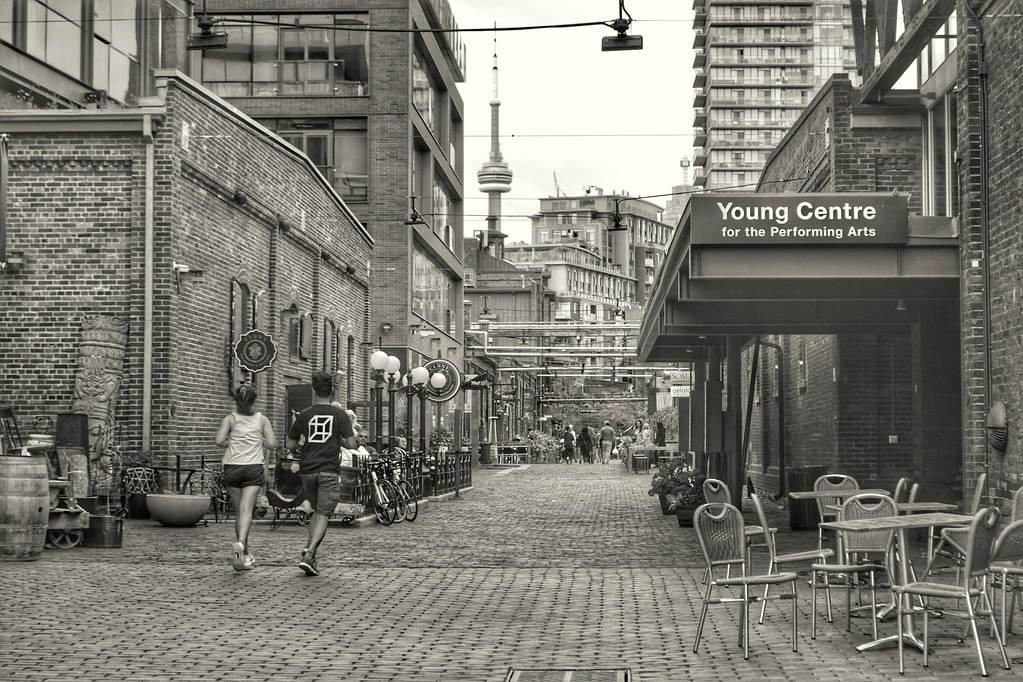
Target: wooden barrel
x=24, y=507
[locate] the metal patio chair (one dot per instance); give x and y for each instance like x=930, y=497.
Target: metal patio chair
x=720, y=531
x=775, y=561
x=969, y=589
x=1007, y=567
x=952, y=541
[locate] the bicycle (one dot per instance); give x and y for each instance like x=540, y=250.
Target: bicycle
x=404, y=487
x=388, y=505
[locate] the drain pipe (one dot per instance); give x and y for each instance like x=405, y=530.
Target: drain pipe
x=147, y=296
x=782, y=464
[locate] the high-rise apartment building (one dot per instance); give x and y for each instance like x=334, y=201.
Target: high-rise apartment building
x=758, y=64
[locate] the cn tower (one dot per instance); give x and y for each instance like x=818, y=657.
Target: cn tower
x=494, y=176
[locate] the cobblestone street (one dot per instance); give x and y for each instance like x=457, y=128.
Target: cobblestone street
x=537, y=567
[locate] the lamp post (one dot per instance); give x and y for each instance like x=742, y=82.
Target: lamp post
x=392, y=369
x=378, y=361
x=420, y=375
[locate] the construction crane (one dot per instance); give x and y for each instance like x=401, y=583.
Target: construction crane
x=557, y=187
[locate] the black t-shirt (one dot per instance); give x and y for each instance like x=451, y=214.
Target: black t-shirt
x=324, y=428
x=569, y=440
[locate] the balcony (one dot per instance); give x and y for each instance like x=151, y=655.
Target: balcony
x=700, y=98
x=700, y=118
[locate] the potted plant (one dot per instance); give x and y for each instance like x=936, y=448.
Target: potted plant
x=680, y=489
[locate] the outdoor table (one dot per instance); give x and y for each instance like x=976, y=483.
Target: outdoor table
x=914, y=507
x=900, y=524
x=657, y=453
x=817, y=494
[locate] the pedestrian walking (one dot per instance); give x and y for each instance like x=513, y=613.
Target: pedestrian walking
x=319, y=432
x=245, y=436
x=585, y=443
x=568, y=444
x=607, y=442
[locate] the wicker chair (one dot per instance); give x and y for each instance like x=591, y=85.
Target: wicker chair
x=863, y=553
x=952, y=541
x=775, y=561
x=1007, y=566
x=970, y=590
x=831, y=483
x=720, y=531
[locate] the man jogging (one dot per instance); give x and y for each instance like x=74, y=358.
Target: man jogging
x=322, y=429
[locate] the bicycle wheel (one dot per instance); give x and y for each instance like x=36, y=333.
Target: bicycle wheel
x=399, y=505
x=409, y=494
x=383, y=502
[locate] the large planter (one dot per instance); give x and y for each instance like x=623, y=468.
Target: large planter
x=178, y=510
x=663, y=499
x=684, y=515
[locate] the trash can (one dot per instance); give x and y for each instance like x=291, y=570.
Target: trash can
x=485, y=452
x=803, y=514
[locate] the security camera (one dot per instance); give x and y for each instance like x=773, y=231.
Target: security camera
x=181, y=268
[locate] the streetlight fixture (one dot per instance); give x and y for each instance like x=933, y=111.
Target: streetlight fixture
x=378, y=361
x=393, y=369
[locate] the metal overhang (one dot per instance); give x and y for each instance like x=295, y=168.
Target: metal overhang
x=704, y=293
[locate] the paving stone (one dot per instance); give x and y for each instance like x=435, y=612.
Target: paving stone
x=537, y=567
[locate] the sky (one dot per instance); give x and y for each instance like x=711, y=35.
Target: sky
x=621, y=120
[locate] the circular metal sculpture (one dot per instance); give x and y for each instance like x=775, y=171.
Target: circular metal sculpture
x=255, y=350
x=452, y=381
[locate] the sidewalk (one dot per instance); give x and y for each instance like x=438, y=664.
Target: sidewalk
x=542, y=567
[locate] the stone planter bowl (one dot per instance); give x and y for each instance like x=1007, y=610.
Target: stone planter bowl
x=178, y=510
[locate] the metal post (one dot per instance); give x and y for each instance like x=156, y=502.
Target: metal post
x=408, y=419
x=422, y=421
x=390, y=414
x=379, y=426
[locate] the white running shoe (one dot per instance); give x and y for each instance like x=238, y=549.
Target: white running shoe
x=238, y=563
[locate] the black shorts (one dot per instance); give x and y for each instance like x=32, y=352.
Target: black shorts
x=244, y=475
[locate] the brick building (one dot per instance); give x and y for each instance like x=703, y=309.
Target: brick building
x=189, y=224
x=933, y=396
x=368, y=90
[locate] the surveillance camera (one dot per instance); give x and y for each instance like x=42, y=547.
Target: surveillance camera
x=181, y=268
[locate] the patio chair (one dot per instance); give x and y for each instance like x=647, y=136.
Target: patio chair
x=775, y=561
x=1017, y=506
x=901, y=488
x=831, y=483
x=1007, y=566
x=864, y=553
x=715, y=490
x=720, y=531
x=970, y=589
x=952, y=541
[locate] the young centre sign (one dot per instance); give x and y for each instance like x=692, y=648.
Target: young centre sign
x=795, y=219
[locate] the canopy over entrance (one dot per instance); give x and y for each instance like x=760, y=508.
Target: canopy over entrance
x=764, y=264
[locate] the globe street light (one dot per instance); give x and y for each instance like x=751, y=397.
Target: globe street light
x=378, y=361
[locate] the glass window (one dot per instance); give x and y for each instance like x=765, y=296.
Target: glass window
x=296, y=55
x=433, y=292
x=423, y=96
x=351, y=159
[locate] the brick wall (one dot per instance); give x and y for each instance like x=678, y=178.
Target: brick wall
x=77, y=200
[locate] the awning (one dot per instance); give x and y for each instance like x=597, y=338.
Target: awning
x=766, y=264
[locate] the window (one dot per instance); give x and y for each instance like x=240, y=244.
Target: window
x=941, y=189
x=341, y=154
x=424, y=96
x=304, y=55
x=330, y=360
x=58, y=33
x=241, y=321
x=433, y=293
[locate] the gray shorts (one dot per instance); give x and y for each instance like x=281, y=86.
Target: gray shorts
x=323, y=490
x=244, y=475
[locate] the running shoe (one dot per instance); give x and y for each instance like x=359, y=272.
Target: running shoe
x=238, y=563
x=308, y=564
x=250, y=561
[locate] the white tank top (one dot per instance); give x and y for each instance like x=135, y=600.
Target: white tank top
x=245, y=442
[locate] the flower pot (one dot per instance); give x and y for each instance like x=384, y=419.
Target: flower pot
x=685, y=516
x=663, y=499
x=178, y=510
